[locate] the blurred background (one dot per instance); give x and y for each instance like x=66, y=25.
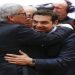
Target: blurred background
x=31, y=2
x=35, y=3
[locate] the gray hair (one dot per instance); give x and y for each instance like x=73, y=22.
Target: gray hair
x=9, y=10
x=30, y=8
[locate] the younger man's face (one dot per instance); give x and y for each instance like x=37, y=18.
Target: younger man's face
x=42, y=23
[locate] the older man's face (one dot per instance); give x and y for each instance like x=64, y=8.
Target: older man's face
x=19, y=17
x=60, y=10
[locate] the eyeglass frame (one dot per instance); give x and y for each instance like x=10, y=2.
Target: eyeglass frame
x=19, y=14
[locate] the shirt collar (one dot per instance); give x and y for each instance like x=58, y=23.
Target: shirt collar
x=55, y=27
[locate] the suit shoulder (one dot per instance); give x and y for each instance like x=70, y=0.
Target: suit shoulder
x=72, y=35
x=64, y=29
x=14, y=26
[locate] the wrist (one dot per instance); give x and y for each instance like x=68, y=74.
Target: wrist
x=32, y=62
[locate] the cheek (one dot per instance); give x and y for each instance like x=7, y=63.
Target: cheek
x=33, y=24
x=21, y=19
x=56, y=10
x=47, y=27
x=17, y=18
x=62, y=10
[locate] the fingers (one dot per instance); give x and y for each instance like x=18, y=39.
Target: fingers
x=21, y=52
x=10, y=58
x=14, y=62
x=11, y=55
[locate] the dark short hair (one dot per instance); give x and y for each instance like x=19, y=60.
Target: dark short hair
x=47, y=13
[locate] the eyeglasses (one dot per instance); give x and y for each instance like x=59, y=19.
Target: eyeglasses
x=20, y=14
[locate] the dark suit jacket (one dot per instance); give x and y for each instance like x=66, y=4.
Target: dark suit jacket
x=12, y=37
x=55, y=59
x=68, y=20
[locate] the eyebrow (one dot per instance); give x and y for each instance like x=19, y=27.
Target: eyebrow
x=41, y=21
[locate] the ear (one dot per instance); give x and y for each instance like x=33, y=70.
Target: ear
x=11, y=18
x=56, y=22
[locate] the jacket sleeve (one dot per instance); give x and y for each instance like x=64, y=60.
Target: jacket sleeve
x=32, y=37
x=65, y=58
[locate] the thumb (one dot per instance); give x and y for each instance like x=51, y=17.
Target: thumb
x=21, y=52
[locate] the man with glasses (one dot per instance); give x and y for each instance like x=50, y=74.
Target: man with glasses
x=11, y=15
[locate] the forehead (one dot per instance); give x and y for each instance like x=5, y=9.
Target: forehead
x=42, y=17
x=61, y=2
x=21, y=10
x=30, y=9
x=60, y=5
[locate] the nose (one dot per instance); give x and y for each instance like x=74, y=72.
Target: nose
x=38, y=24
x=54, y=9
x=29, y=16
